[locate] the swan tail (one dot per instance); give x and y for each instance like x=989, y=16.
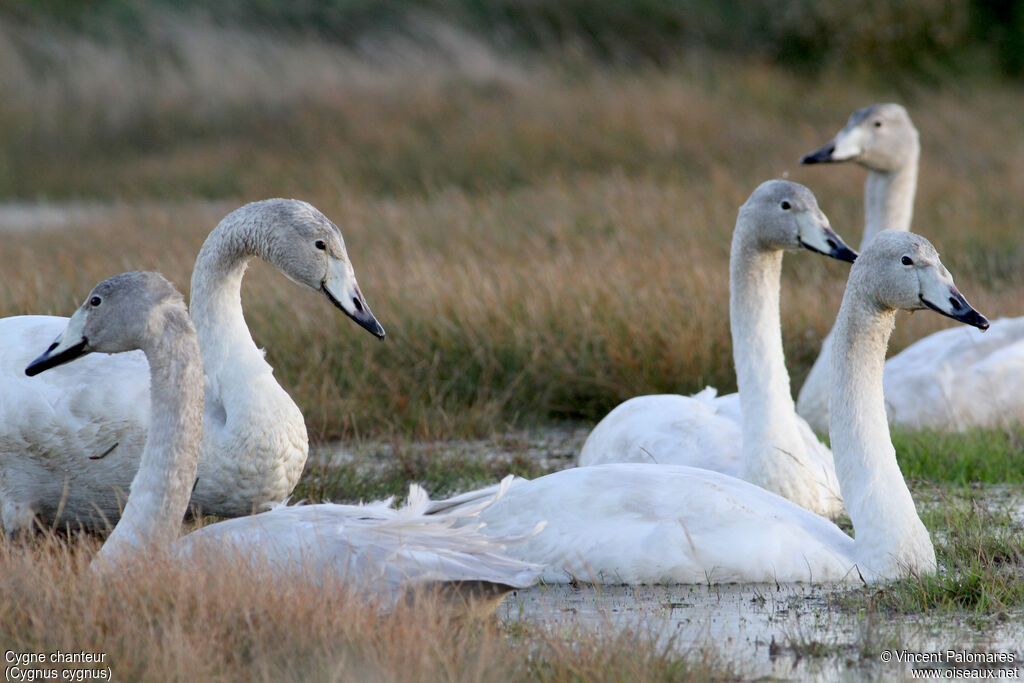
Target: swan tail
x=478, y=500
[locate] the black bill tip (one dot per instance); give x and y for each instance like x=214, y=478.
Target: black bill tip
x=820, y=156
x=837, y=248
x=362, y=317
x=47, y=361
x=964, y=312
x=843, y=253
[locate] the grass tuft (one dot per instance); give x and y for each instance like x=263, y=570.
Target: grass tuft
x=163, y=622
x=980, y=551
x=991, y=456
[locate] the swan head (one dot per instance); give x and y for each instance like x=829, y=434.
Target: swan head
x=785, y=215
x=880, y=137
x=308, y=248
x=119, y=314
x=902, y=270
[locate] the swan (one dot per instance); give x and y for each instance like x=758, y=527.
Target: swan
x=755, y=435
x=646, y=523
x=70, y=441
x=883, y=139
x=954, y=379
x=371, y=547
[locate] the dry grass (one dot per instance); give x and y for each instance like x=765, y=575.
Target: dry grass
x=539, y=242
x=164, y=623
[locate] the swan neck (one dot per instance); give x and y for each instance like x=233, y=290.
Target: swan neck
x=769, y=420
x=888, y=531
x=216, y=290
x=888, y=205
x=889, y=199
x=162, y=485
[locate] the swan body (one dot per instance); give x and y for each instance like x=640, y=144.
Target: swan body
x=957, y=379
x=951, y=380
x=756, y=434
x=646, y=523
x=70, y=441
x=373, y=547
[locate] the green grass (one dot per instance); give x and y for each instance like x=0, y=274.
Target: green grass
x=924, y=39
x=979, y=546
x=382, y=470
x=990, y=456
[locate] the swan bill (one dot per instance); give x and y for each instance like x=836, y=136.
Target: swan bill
x=820, y=156
x=361, y=315
x=964, y=312
x=49, y=359
x=829, y=244
x=69, y=345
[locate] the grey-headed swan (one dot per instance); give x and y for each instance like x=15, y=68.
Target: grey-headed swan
x=951, y=380
x=756, y=434
x=642, y=523
x=372, y=547
x=70, y=440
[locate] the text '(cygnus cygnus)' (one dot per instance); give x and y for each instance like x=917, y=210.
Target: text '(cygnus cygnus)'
x=373, y=548
x=756, y=434
x=70, y=440
x=642, y=523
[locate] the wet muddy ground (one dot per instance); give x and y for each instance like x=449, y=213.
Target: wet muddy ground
x=787, y=631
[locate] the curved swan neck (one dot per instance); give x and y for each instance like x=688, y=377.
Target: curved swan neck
x=888, y=531
x=769, y=421
x=163, y=484
x=889, y=198
x=215, y=299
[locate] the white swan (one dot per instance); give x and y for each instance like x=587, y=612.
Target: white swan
x=755, y=435
x=371, y=547
x=883, y=139
x=951, y=380
x=642, y=523
x=70, y=441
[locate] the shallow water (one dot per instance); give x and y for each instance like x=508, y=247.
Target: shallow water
x=788, y=631
x=46, y=216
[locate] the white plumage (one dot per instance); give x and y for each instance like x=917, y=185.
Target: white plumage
x=951, y=380
x=70, y=441
x=643, y=523
x=756, y=434
x=372, y=548
x=957, y=379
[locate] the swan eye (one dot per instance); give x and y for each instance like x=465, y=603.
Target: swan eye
x=786, y=206
x=907, y=261
x=321, y=245
x=878, y=124
x=95, y=301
